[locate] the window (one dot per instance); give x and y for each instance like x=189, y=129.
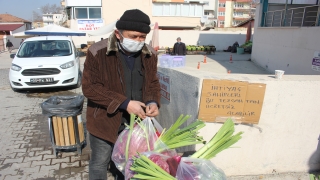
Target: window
x=173, y=9
x=238, y=14
x=221, y=22
x=239, y=5
x=222, y=4
x=208, y=12
x=221, y=13
x=46, y=48
x=81, y=13
x=87, y=13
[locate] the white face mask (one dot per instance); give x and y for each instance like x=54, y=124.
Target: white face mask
x=131, y=45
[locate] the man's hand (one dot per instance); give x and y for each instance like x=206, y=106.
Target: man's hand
x=135, y=107
x=152, y=110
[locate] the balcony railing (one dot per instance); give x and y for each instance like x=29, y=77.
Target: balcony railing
x=301, y=16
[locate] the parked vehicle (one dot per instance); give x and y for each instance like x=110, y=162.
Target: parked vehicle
x=45, y=61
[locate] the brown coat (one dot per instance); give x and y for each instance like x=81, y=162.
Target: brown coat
x=102, y=84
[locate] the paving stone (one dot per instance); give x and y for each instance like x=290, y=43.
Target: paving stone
x=16, y=160
x=29, y=146
x=32, y=137
x=9, y=146
x=21, y=142
x=45, y=157
x=84, y=163
x=12, y=177
x=47, y=168
x=62, y=160
x=20, y=150
x=41, y=163
x=27, y=128
x=21, y=165
x=25, y=134
x=21, y=132
x=45, y=144
x=30, y=170
x=45, y=136
x=85, y=157
x=11, y=155
x=36, y=149
x=64, y=172
x=8, y=172
x=35, y=132
x=24, y=154
x=85, y=176
x=33, y=158
x=18, y=139
x=74, y=177
x=74, y=164
x=43, y=152
x=69, y=154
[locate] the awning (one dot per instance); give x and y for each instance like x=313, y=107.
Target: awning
x=54, y=30
x=21, y=35
x=9, y=27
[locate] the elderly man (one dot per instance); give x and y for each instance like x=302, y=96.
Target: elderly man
x=179, y=48
x=119, y=79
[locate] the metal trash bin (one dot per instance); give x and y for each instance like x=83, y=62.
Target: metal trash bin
x=65, y=123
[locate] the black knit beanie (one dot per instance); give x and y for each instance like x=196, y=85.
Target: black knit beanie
x=134, y=20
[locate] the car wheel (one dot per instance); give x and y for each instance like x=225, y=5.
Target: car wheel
x=79, y=80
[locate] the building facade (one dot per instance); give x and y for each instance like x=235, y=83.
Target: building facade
x=287, y=36
x=49, y=19
x=9, y=25
x=170, y=14
x=233, y=12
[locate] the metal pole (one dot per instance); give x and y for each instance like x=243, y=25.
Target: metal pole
x=304, y=11
x=281, y=19
x=318, y=15
x=285, y=13
x=264, y=4
x=265, y=19
x=291, y=18
x=272, y=19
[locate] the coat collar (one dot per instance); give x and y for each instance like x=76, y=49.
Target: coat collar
x=112, y=46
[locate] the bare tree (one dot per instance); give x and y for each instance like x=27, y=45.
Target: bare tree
x=51, y=9
x=36, y=16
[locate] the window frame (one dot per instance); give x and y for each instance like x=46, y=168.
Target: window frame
x=180, y=10
x=88, y=12
x=222, y=5
x=221, y=13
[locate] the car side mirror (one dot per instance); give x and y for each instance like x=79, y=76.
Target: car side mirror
x=12, y=56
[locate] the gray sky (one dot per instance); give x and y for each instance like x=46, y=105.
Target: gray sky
x=23, y=8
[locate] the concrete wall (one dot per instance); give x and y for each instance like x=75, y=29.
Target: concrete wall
x=218, y=38
x=288, y=48
x=15, y=41
x=167, y=38
x=286, y=138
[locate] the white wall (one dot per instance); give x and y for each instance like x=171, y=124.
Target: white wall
x=72, y=3
x=218, y=38
x=15, y=41
x=286, y=138
x=167, y=38
x=288, y=48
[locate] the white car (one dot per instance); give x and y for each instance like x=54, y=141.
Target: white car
x=45, y=61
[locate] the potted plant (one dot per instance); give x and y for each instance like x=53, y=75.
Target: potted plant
x=240, y=49
x=246, y=47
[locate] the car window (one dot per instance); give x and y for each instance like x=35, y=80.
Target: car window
x=45, y=48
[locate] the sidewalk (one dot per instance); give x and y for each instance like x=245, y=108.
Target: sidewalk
x=26, y=151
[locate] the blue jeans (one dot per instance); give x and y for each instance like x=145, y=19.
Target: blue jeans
x=101, y=151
